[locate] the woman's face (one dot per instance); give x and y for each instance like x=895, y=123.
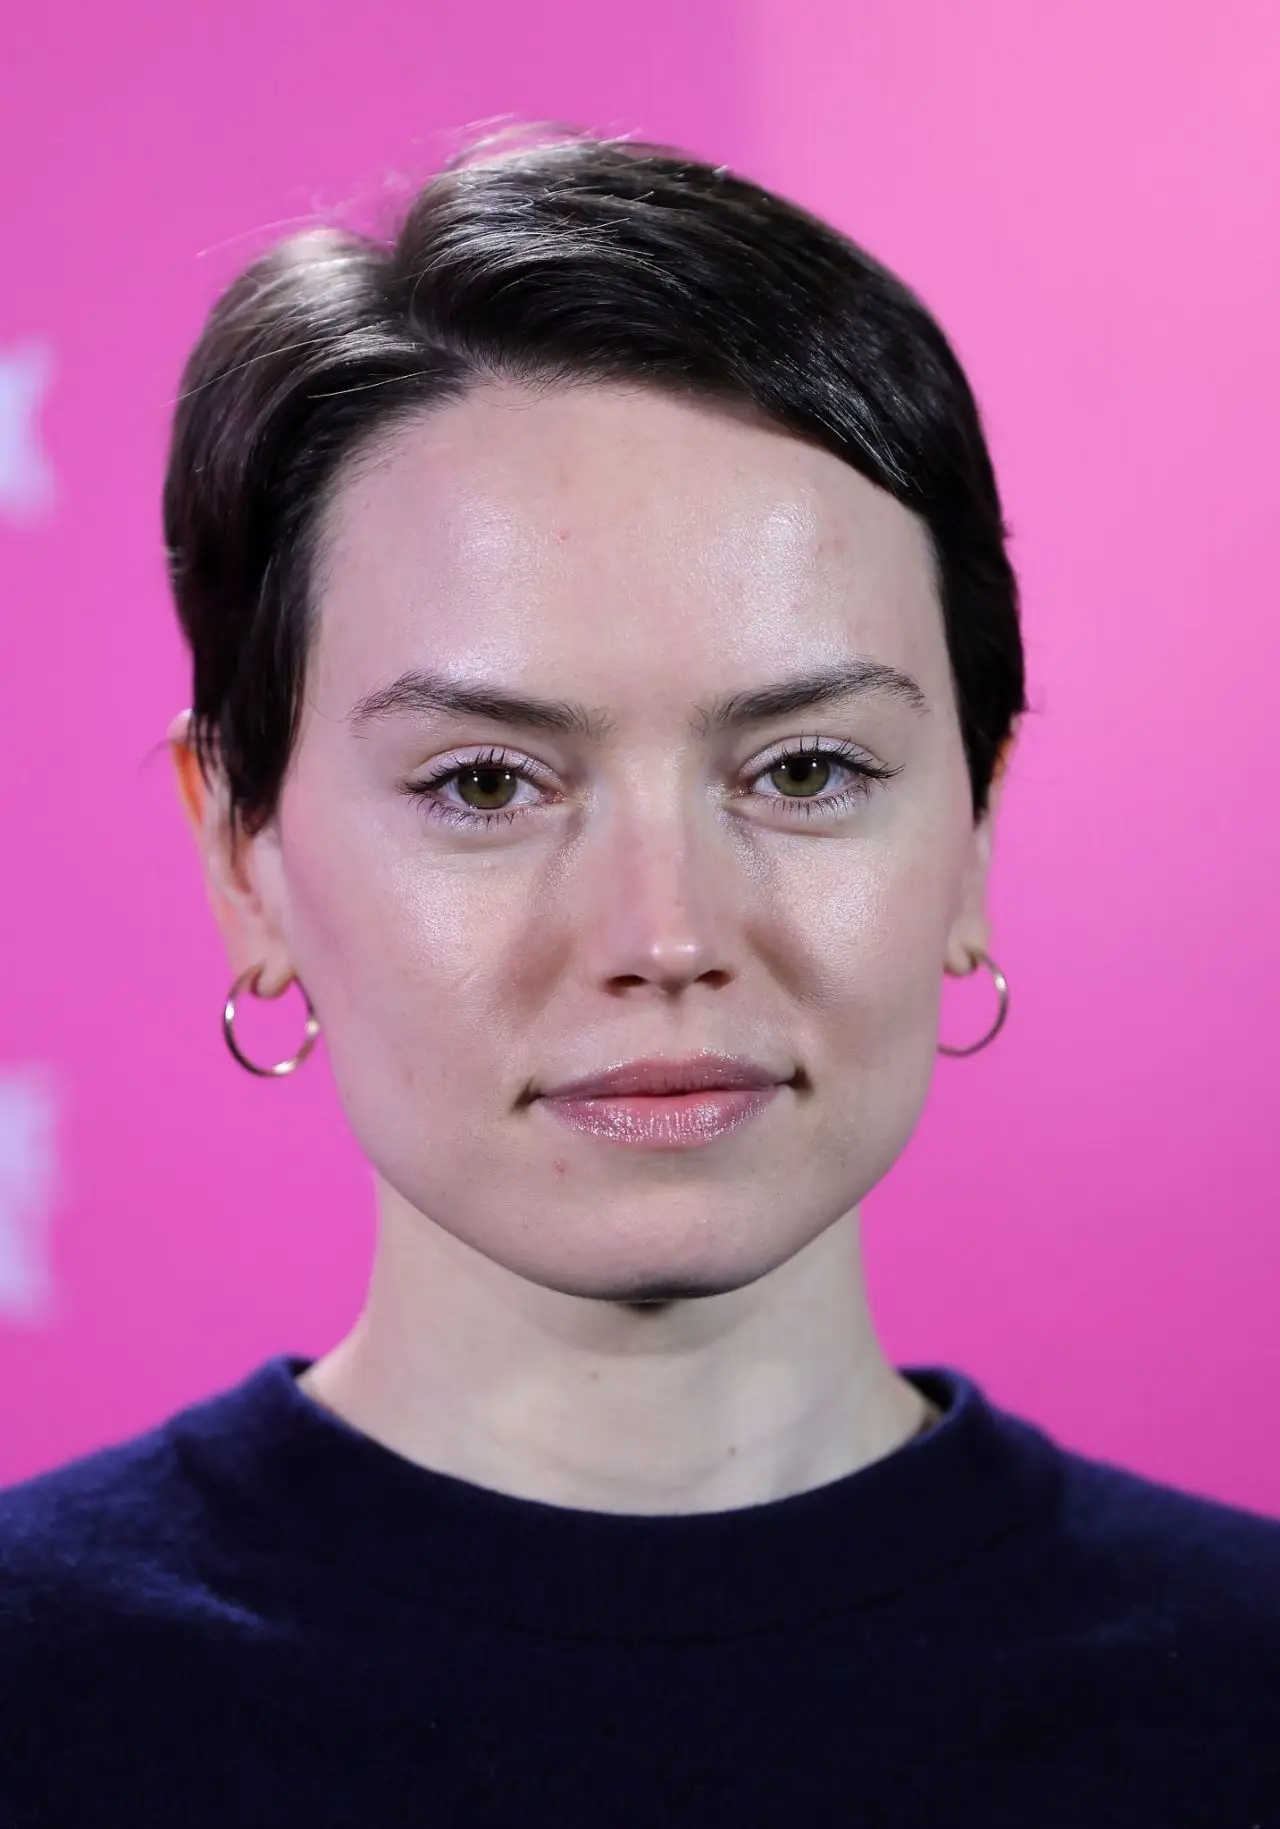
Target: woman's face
x=639, y=876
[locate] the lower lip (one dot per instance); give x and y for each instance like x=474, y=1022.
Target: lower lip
x=667, y=1121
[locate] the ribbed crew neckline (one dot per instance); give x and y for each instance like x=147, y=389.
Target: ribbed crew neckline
x=291, y=1477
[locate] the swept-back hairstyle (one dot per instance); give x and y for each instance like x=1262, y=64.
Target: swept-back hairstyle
x=582, y=259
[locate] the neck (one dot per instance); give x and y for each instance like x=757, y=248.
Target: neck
x=703, y=1404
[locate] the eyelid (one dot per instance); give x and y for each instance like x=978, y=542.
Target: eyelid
x=493, y=755
x=804, y=746
x=498, y=756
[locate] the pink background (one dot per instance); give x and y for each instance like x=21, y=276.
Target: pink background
x=1087, y=1220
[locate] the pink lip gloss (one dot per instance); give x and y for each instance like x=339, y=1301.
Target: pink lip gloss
x=678, y=1120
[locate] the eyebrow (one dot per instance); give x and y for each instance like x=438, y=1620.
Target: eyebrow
x=422, y=693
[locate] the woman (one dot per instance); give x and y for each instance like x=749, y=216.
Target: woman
x=605, y=661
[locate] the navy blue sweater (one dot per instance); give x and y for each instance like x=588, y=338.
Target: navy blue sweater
x=254, y=1615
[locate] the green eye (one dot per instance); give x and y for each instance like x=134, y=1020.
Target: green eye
x=486, y=790
x=802, y=778
x=806, y=775
x=486, y=786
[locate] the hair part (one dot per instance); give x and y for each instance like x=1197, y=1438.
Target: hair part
x=580, y=260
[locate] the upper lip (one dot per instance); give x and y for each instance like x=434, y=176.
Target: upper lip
x=655, y=1077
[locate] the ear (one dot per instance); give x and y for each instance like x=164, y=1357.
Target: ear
x=242, y=875
x=970, y=932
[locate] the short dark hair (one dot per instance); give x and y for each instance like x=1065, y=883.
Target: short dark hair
x=580, y=259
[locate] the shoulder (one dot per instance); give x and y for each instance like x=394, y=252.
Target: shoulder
x=1147, y=1563
x=114, y=1589
x=1206, y=1541
x=108, y=1533
x=1143, y=1622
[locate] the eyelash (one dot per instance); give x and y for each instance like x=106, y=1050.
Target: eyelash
x=866, y=776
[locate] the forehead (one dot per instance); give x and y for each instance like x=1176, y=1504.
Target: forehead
x=503, y=530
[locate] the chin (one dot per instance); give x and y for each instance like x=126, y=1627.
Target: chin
x=658, y=1291
x=646, y=1248
x=654, y=1291
x=658, y=1282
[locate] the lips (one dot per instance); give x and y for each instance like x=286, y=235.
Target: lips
x=666, y=1104
x=668, y=1078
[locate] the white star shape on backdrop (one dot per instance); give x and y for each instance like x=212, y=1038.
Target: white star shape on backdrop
x=28, y=1183
x=27, y=487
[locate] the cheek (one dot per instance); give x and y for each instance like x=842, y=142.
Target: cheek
x=863, y=938
x=403, y=962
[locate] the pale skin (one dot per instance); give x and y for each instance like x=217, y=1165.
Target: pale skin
x=548, y=1314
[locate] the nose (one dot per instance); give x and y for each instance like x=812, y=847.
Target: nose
x=659, y=911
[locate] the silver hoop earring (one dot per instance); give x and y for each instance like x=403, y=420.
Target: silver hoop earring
x=1002, y=987
x=250, y=979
